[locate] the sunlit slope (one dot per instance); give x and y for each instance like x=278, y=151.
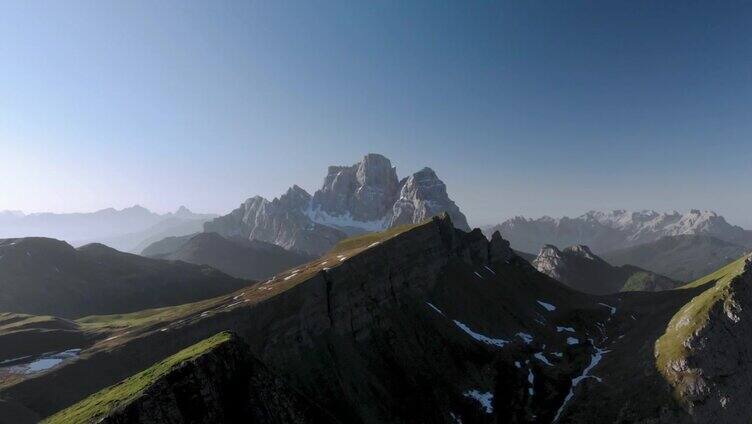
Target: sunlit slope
x=703, y=352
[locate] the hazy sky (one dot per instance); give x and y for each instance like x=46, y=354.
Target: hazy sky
x=520, y=108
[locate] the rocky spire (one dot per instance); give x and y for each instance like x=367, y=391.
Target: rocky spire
x=424, y=195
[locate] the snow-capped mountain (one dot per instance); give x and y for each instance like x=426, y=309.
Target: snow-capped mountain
x=604, y=231
x=364, y=197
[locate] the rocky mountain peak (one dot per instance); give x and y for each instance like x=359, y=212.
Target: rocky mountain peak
x=423, y=195
x=183, y=212
x=362, y=192
x=549, y=250
x=551, y=262
x=376, y=170
x=364, y=197
x=137, y=209
x=499, y=249
x=294, y=197
x=581, y=251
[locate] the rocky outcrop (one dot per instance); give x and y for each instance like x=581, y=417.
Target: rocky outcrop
x=365, y=192
x=619, y=229
x=282, y=221
x=422, y=196
x=578, y=267
x=499, y=249
x=551, y=261
x=713, y=376
x=355, y=199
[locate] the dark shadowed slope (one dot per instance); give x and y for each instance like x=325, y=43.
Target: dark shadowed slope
x=577, y=267
x=240, y=258
x=422, y=323
x=417, y=324
x=214, y=381
x=49, y=277
x=426, y=323
x=685, y=258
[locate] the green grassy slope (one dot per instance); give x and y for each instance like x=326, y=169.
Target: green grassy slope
x=99, y=404
x=694, y=315
x=367, y=239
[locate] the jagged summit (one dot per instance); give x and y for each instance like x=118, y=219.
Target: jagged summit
x=364, y=197
x=365, y=192
x=605, y=231
x=578, y=267
x=582, y=251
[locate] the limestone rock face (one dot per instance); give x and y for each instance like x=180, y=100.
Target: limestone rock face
x=578, y=267
x=424, y=195
x=282, y=221
x=364, y=197
x=365, y=191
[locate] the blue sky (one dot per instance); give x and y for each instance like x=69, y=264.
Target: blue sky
x=521, y=107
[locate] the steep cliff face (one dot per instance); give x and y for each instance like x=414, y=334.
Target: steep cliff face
x=365, y=191
x=282, y=221
x=422, y=196
x=551, y=261
x=364, y=197
x=706, y=353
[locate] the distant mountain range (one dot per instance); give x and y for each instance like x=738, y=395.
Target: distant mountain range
x=364, y=197
x=684, y=257
x=45, y=276
x=129, y=230
x=619, y=229
x=579, y=268
x=241, y=258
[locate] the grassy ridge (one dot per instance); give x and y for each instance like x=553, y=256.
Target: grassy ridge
x=145, y=317
x=693, y=316
x=365, y=240
x=96, y=406
x=11, y=321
